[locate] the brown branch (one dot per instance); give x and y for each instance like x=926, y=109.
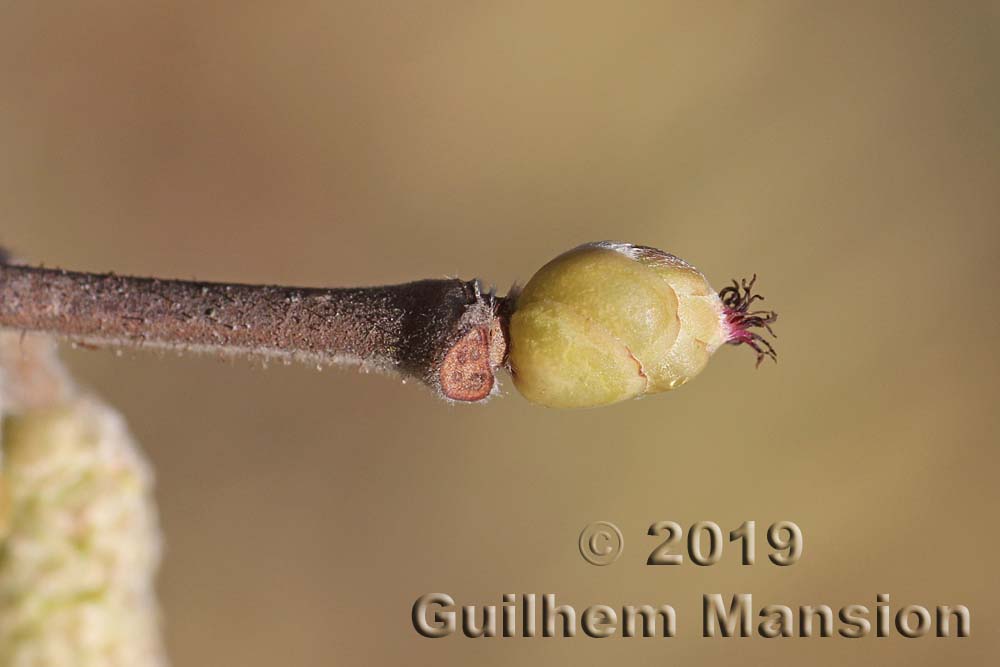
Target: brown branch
x=444, y=332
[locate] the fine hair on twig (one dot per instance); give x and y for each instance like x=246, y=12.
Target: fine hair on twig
x=447, y=333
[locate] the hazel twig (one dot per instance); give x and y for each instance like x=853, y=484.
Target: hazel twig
x=602, y=323
x=446, y=333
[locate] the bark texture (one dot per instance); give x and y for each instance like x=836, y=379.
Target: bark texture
x=446, y=333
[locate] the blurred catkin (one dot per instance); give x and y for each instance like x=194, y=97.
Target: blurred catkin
x=80, y=542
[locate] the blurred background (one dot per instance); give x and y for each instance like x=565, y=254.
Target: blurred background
x=849, y=153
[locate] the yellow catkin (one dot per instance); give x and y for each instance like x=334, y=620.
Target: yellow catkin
x=81, y=543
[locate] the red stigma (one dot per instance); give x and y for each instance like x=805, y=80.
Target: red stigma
x=736, y=300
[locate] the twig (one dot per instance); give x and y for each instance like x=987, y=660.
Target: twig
x=446, y=333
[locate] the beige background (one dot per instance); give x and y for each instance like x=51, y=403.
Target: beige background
x=847, y=152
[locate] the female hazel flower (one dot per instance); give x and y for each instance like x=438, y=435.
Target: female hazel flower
x=608, y=321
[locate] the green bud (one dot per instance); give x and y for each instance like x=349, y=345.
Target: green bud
x=606, y=322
